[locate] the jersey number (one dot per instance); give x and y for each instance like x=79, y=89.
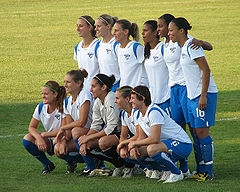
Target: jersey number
x=200, y=113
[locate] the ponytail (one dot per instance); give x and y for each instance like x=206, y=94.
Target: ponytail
x=131, y=27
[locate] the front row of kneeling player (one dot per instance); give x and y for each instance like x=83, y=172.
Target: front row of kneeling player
x=148, y=137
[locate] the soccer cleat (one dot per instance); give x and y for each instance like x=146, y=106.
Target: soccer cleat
x=174, y=178
x=100, y=172
x=196, y=175
x=156, y=174
x=118, y=171
x=127, y=172
x=165, y=176
x=48, y=168
x=205, y=177
x=71, y=168
x=137, y=170
x=148, y=172
x=86, y=172
x=187, y=174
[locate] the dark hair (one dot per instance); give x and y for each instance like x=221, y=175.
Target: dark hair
x=78, y=75
x=107, y=19
x=142, y=91
x=167, y=18
x=182, y=23
x=125, y=91
x=90, y=21
x=153, y=26
x=131, y=27
x=61, y=94
x=103, y=79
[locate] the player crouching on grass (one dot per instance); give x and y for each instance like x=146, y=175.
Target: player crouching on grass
x=49, y=112
x=166, y=142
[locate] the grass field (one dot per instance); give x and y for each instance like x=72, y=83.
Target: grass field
x=37, y=40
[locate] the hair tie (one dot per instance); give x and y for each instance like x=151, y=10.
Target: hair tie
x=49, y=88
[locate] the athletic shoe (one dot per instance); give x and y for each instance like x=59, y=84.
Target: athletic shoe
x=100, y=172
x=118, y=171
x=86, y=172
x=148, y=172
x=156, y=174
x=137, y=170
x=196, y=175
x=165, y=175
x=48, y=168
x=71, y=168
x=127, y=172
x=187, y=174
x=174, y=178
x=205, y=177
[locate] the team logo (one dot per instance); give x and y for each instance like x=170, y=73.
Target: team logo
x=156, y=58
x=173, y=49
x=58, y=116
x=90, y=55
x=108, y=51
x=184, y=55
x=127, y=56
x=78, y=106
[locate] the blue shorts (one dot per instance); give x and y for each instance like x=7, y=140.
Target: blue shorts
x=115, y=86
x=165, y=106
x=178, y=149
x=204, y=118
x=178, y=104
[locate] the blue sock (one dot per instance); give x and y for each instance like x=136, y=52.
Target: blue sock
x=198, y=155
x=33, y=150
x=90, y=161
x=206, y=145
x=164, y=159
x=72, y=159
x=183, y=165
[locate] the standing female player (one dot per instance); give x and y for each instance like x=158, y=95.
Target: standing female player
x=202, y=97
x=104, y=133
x=130, y=54
x=85, y=51
x=106, y=52
x=78, y=111
x=49, y=112
x=155, y=65
x=165, y=137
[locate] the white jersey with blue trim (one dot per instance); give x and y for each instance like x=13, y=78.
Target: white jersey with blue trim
x=50, y=122
x=130, y=60
x=172, y=53
x=158, y=76
x=192, y=71
x=169, y=128
x=107, y=58
x=73, y=109
x=131, y=121
x=87, y=60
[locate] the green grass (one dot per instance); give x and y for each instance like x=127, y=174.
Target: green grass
x=37, y=40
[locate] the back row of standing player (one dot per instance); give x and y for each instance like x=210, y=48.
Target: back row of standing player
x=175, y=70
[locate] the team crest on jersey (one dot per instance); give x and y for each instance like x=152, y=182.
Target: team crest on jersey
x=127, y=56
x=58, y=116
x=90, y=55
x=78, y=106
x=156, y=58
x=108, y=51
x=173, y=49
x=184, y=55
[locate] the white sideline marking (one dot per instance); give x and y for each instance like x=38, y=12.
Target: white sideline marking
x=20, y=135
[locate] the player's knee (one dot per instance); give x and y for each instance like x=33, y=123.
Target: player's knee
x=103, y=143
x=153, y=149
x=28, y=137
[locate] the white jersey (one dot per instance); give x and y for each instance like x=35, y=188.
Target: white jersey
x=52, y=121
x=107, y=58
x=172, y=53
x=157, y=73
x=87, y=60
x=131, y=121
x=73, y=109
x=169, y=128
x=192, y=72
x=130, y=60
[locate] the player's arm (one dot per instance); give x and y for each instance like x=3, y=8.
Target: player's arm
x=196, y=44
x=202, y=63
x=124, y=133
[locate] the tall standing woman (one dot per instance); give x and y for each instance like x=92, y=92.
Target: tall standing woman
x=50, y=113
x=202, y=97
x=85, y=51
x=106, y=52
x=130, y=54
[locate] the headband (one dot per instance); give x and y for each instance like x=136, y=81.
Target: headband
x=49, y=88
x=104, y=20
x=138, y=93
x=86, y=21
x=100, y=80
